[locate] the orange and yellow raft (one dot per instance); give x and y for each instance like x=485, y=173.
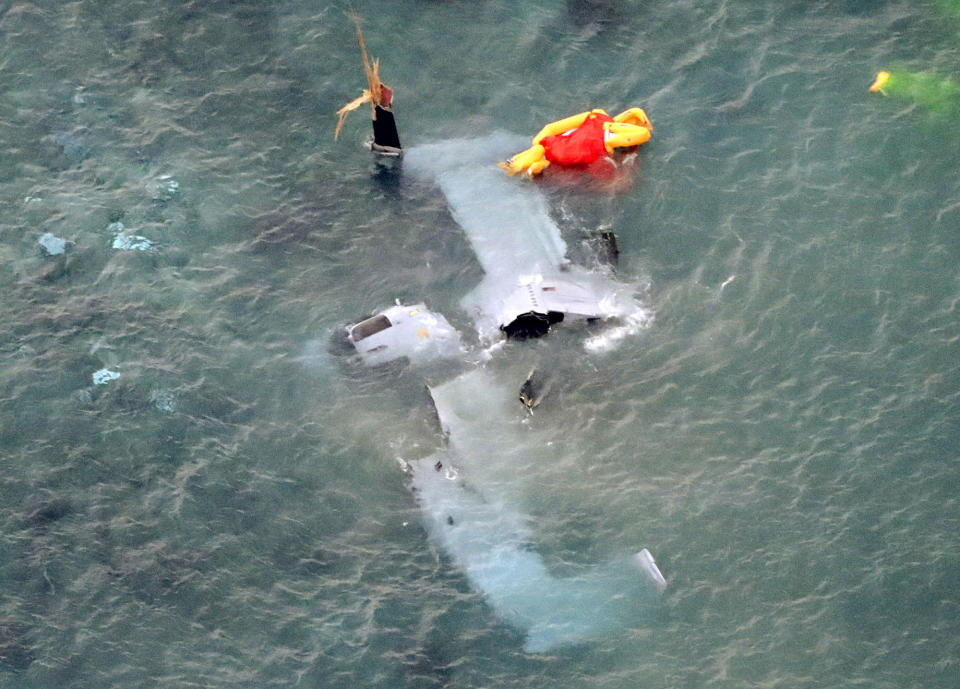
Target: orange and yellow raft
x=581, y=139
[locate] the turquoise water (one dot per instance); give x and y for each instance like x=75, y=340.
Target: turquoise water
x=230, y=511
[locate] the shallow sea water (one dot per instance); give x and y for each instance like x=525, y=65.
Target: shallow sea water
x=230, y=511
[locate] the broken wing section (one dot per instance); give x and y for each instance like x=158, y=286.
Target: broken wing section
x=489, y=540
x=476, y=518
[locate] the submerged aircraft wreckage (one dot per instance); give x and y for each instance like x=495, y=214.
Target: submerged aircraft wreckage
x=529, y=286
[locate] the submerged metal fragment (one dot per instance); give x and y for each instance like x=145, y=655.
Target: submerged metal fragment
x=535, y=388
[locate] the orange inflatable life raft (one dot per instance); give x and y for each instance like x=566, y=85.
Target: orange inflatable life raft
x=581, y=139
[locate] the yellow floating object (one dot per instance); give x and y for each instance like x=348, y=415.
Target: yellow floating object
x=879, y=82
x=623, y=135
x=564, y=125
x=635, y=116
x=526, y=160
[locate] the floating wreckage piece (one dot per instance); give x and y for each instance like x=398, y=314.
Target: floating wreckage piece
x=386, y=140
x=535, y=388
x=400, y=331
x=489, y=538
x=52, y=245
x=609, y=251
x=131, y=242
x=646, y=564
x=531, y=324
x=125, y=241
x=104, y=376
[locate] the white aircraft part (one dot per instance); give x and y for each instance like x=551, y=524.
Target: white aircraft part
x=648, y=566
x=400, y=331
x=490, y=541
x=471, y=510
x=506, y=220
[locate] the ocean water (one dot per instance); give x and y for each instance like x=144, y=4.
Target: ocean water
x=230, y=510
